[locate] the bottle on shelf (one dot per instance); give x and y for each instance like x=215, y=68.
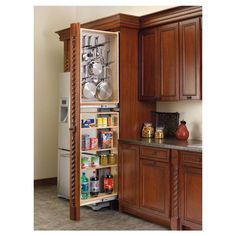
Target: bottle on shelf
x=108, y=183
x=84, y=186
x=94, y=185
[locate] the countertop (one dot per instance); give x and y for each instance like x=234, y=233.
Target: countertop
x=171, y=143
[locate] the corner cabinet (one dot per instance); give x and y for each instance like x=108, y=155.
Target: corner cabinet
x=170, y=61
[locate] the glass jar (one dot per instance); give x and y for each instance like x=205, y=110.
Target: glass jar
x=112, y=159
x=159, y=134
x=104, y=160
x=148, y=130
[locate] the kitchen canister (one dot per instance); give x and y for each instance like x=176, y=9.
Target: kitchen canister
x=148, y=130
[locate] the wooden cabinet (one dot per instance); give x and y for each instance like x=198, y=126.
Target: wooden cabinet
x=167, y=62
x=190, y=190
x=148, y=62
x=154, y=185
x=190, y=56
x=129, y=175
x=175, y=70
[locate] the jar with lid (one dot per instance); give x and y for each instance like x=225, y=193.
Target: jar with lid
x=148, y=130
x=112, y=159
x=104, y=160
x=159, y=134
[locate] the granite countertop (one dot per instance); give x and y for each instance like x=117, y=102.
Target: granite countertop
x=171, y=143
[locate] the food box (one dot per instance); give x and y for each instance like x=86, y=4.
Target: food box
x=87, y=123
x=93, y=143
x=85, y=161
x=94, y=161
x=106, y=139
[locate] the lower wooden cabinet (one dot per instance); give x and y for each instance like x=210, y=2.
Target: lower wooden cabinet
x=190, y=190
x=129, y=175
x=155, y=187
x=161, y=185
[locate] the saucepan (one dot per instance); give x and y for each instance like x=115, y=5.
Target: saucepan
x=88, y=89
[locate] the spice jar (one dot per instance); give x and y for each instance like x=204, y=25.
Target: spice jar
x=159, y=134
x=148, y=130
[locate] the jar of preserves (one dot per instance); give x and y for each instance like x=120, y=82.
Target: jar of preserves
x=159, y=134
x=104, y=160
x=112, y=159
x=148, y=130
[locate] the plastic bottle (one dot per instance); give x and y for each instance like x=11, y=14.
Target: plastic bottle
x=84, y=186
x=94, y=185
x=108, y=183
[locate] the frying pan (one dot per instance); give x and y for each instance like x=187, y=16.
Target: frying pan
x=104, y=91
x=88, y=89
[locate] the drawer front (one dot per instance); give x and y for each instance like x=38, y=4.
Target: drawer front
x=159, y=153
x=191, y=157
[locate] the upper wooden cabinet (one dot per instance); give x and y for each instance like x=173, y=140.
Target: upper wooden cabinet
x=190, y=55
x=170, y=60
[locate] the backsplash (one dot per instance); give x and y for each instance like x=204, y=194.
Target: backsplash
x=190, y=111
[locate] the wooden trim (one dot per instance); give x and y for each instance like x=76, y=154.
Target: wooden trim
x=170, y=15
x=75, y=121
x=46, y=181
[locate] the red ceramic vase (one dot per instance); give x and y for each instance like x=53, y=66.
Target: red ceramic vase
x=182, y=131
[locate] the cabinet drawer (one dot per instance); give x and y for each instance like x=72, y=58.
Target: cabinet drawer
x=191, y=157
x=160, y=153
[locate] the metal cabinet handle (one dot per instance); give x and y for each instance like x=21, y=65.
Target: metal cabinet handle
x=189, y=97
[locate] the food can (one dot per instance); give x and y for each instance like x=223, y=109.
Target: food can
x=99, y=122
x=104, y=121
x=85, y=142
x=111, y=121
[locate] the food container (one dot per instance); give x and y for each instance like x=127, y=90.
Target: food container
x=104, y=121
x=112, y=159
x=93, y=143
x=159, y=134
x=94, y=161
x=99, y=122
x=104, y=160
x=148, y=130
x=85, y=142
x=111, y=121
x=106, y=139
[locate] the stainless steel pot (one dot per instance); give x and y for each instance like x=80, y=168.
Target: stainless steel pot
x=104, y=91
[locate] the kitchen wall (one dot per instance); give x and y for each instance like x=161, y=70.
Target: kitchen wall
x=48, y=63
x=190, y=111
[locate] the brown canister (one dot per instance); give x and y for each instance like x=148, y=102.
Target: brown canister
x=104, y=160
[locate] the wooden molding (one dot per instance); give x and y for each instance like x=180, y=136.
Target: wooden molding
x=44, y=182
x=170, y=15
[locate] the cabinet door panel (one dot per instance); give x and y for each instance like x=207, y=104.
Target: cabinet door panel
x=147, y=65
x=154, y=187
x=168, y=61
x=128, y=174
x=190, y=71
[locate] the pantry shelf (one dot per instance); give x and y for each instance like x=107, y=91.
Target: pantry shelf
x=107, y=127
x=99, y=167
x=102, y=197
x=98, y=150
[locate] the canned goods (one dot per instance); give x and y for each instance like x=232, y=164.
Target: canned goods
x=104, y=121
x=111, y=121
x=112, y=159
x=85, y=142
x=104, y=160
x=99, y=122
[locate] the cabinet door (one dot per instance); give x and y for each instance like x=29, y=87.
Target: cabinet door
x=191, y=190
x=129, y=175
x=190, y=59
x=154, y=187
x=168, y=61
x=147, y=86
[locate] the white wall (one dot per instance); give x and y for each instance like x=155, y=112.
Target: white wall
x=48, y=63
x=190, y=111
